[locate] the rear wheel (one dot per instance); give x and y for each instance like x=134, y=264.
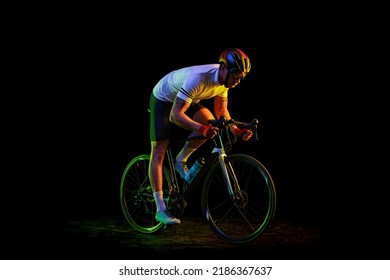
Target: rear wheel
x=136, y=195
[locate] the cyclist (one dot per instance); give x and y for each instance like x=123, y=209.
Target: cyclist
x=176, y=99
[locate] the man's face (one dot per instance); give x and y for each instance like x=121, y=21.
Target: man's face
x=234, y=78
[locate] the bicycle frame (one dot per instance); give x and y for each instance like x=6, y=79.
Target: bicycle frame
x=172, y=172
x=218, y=153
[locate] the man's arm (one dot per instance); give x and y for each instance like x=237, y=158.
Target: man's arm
x=179, y=117
x=221, y=109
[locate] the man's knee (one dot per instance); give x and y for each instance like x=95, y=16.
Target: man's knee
x=203, y=116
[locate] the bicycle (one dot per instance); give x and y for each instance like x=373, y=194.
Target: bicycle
x=238, y=197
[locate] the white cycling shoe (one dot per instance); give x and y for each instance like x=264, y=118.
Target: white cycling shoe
x=166, y=218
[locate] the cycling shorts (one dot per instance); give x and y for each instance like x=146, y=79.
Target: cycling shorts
x=160, y=126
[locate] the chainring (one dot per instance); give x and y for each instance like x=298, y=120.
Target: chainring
x=176, y=204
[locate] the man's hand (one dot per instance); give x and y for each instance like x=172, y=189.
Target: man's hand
x=208, y=131
x=245, y=133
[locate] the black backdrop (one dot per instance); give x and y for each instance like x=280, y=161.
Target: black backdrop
x=106, y=121
x=95, y=120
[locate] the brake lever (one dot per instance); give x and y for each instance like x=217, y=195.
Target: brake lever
x=251, y=126
x=254, y=128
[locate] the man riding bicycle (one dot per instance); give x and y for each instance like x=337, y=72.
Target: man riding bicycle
x=176, y=99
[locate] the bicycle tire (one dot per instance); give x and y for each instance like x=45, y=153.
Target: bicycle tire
x=247, y=218
x=136, y=195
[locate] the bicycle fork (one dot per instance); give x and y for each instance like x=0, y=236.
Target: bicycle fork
x=228, y=172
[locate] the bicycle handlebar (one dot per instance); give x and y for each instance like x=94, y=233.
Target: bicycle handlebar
x=221, y=122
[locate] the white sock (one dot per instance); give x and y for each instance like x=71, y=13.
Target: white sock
x=160, y=204
x=184, y=154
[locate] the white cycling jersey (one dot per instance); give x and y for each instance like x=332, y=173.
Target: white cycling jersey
x=191, y=84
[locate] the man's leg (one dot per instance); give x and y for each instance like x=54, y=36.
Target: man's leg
x=158, y=149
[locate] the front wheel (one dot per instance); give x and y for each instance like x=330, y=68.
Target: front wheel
x=243, y=215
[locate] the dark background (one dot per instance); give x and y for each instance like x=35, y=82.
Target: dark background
x=304, y=129
x=95, y=120
x=110, y=122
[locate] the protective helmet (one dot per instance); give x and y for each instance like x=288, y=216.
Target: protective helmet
x=236, y=61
